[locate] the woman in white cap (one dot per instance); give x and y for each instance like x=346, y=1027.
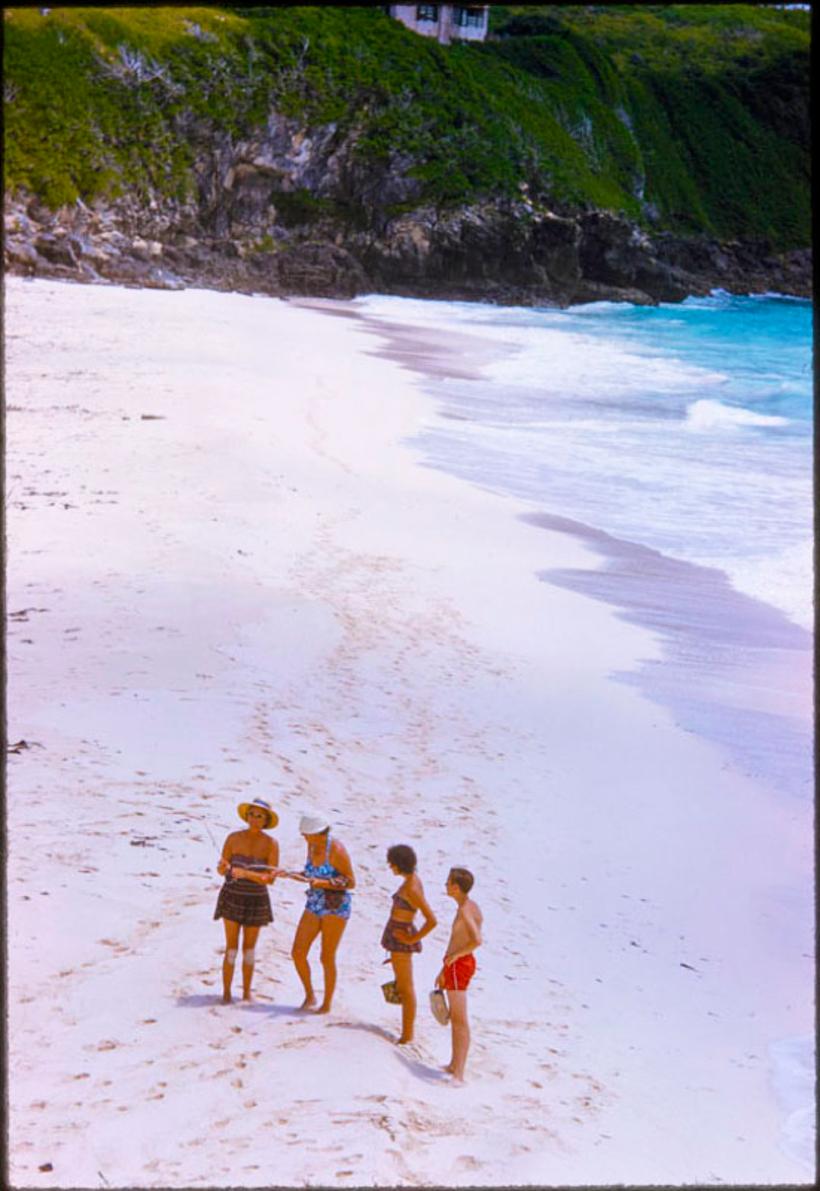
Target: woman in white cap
x=249, y=864
x=330, y=874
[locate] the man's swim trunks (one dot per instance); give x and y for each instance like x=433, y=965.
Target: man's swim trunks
x=459, y=973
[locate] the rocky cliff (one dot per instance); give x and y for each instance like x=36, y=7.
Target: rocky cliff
x=276, y=197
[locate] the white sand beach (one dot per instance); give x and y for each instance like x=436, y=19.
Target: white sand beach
x=228, y=576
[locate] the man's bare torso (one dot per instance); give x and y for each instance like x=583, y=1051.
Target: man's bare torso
x=466, y=931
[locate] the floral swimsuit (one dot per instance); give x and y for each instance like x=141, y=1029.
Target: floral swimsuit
x=327, y=901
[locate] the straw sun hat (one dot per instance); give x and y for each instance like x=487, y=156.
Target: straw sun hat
x=260, y=805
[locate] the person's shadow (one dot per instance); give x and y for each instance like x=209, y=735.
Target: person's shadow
x=414, y=1063
x=209, y=1000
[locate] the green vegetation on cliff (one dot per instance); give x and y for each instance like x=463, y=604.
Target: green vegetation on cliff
x=694, y=117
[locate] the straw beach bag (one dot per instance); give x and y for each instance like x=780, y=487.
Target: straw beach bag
x=391, y=993
x=439, y=1007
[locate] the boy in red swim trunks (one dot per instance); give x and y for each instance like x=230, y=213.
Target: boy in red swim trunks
x=459, y=965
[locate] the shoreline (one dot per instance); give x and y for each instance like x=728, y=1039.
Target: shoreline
x=251, y=288
x=731, y=663
x=697, y=677
x=320, y=619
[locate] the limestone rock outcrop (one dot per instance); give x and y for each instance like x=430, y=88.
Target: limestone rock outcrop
x=295, y=211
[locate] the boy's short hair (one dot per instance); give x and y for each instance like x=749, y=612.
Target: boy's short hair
x=463, y=878
x=403, y=856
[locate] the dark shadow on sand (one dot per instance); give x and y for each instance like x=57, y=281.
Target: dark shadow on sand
x=414, y=1065
x=198, y=1001
x=268, y=1009
x=209, y=1000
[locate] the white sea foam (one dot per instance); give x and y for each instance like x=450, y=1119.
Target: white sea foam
x=593, y=307
x=793, y=1063
x=713, y=415
x=547, y=351
x=685, y=428
x=784, y=580
x=770, y=295
x=766, y=296
x=586, y=367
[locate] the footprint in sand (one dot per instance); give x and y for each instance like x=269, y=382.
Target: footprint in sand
x=468, y=1162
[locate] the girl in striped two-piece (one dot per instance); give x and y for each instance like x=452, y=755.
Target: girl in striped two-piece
x=401, y=937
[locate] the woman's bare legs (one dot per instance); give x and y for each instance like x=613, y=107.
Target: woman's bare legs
x=403, y=970
x=231, y=945
x=249, y=937
x=306, y=932
x=332, y=927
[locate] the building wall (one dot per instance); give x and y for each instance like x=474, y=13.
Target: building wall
x=445, y=28
x=459, y=32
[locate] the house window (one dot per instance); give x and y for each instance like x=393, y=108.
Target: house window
x=426, y=12
x=472, y=17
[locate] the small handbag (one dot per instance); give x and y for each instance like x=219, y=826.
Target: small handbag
x=391, y=993
x=334, y=898
x=439, y=1006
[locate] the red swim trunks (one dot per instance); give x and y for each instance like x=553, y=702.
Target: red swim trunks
x=459, y=973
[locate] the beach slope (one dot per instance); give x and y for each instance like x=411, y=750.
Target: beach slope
x=228, y=577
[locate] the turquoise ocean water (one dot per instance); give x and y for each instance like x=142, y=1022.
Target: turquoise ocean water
x=685, y=428
x=677, y=442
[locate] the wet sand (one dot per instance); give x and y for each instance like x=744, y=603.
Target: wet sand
x=733, y=669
